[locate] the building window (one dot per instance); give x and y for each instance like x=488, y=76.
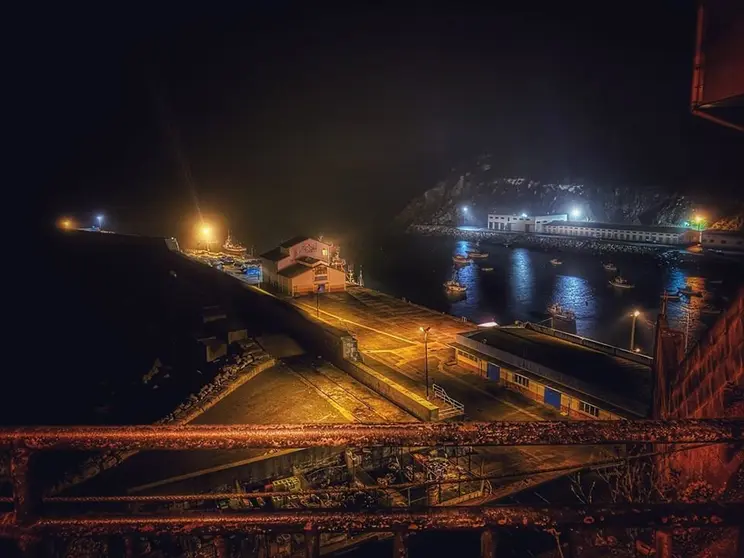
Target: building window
x=588, y=409
x=521, y=380
x=325, y=251
x=466, y=356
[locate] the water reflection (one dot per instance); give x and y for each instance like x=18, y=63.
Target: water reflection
x=576, y=294
x=521, y=277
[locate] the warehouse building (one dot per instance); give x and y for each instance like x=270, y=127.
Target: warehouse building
x=579, y=377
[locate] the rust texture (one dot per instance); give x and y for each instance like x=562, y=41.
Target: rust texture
x=366, y=435
x=670, y=516
x=19, y=475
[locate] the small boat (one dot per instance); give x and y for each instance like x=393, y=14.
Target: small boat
x=556, y=261
x=454, y=287
x=621, y=283
x=486, y=269
x=609, y=266
x=689, y=292
x=716, y=281
x=460, y=259
x=709, y=310
x=476, y=255
x=557, y=311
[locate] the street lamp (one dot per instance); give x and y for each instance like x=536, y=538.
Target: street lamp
x=425, y=331
x=99, y=218
x=576, y=213
x=635, y=315
x=206, y=233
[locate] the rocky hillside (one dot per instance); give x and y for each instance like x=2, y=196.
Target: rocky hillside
x=483, y=189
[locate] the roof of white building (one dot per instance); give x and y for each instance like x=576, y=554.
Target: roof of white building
x=618, y=226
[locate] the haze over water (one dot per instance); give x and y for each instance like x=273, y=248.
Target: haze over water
x=523, y=284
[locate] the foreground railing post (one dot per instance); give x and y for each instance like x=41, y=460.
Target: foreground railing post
x=488, y=543
x=312, y=543
x=220, y=547
x=663, y=544
x=400, y=544
x=25, y=502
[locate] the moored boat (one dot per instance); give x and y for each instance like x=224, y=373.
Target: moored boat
x=454, y=287
x=689, y=292
x=609, y=266
x=557, y=311
x=621, y=283
x=476, y=255
x=556, y=261
x=460, y=259
x=486, y=269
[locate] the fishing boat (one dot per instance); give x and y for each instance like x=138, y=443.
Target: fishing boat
x=556, y=261
x=716, y=281
x=609, y=266
x=477, y=255
x=710, y=310
x=486, y=269
x=621, y=283
x=689, y=292
x=453, y=287
x=231, y=246
x=460, y=259
x=557, y=311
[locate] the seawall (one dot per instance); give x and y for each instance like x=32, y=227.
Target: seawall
x=545, y=242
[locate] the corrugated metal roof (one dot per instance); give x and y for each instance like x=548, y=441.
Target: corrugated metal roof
x=618, y=226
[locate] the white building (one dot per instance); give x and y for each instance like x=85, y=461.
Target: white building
x=301, y=265
x=522, y=223
x=723, y=240
x=633, y=233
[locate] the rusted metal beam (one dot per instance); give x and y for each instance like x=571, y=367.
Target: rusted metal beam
x=212, y=437
x=670, y=516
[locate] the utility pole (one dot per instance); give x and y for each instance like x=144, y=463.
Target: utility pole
x=317, y=301
x=425, y=331
x=635, y=315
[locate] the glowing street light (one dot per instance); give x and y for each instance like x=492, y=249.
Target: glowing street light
x=425, y=331
x=65, y=223
x=576, y=213
x=465, y=208
x=523, y=215
x=205, y=232
x=635, y=315
x=99, y=218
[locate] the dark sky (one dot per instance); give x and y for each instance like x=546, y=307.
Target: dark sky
x=307, y=117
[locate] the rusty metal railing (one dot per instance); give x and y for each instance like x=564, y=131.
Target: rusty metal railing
x=28, y=524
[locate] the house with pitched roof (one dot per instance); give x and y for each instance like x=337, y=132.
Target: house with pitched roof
x=301, y=265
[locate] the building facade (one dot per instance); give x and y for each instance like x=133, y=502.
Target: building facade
x=725, y=241
x=522, y=223
x=301, y=265
x=630, y=233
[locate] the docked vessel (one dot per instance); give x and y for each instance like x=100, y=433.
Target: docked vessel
x=459, y=259
x=231, y=246
x=621, y=283
x=476, y=255
x=609, y=266
x=454, y=287
x=486, y=268
x=557, y=311
x=556, y=261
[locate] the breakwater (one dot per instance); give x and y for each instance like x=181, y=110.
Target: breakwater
x=539, y=241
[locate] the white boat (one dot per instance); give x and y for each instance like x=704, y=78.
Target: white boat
x=460, y=259
x=232, y=247
x=557, y=311
x=454, y=287
x=716, y=281
x=621, y=283
x=475, y=255
x=708, y=310
x=486, y=269
x=556, y=261
x=609, y=266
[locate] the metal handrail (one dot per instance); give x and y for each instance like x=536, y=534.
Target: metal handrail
x=440, y=393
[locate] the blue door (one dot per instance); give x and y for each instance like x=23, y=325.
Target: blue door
x=552, y=397
x=494, y=372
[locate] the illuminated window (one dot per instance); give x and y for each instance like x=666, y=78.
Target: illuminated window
x=325, y=251
x=521, y=380
x=588, y=409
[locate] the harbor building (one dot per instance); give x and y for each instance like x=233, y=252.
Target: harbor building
x=579, y=377
x=633, y=233
x=725, y=241
x=301, y=265
x=523, y=222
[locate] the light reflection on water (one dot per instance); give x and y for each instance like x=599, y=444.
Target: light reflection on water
x=523, y=284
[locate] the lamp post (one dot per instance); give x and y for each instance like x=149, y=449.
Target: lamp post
x=425, y=331
x=206, y=233
x=99, y=218
x=635, y=315
x=317, y=301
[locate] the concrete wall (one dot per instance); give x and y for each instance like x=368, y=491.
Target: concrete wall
x=403, y=398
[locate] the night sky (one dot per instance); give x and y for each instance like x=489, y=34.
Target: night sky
x=286, y=118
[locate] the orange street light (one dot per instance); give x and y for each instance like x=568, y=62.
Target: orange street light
x=635, y=315
x=66, y=223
